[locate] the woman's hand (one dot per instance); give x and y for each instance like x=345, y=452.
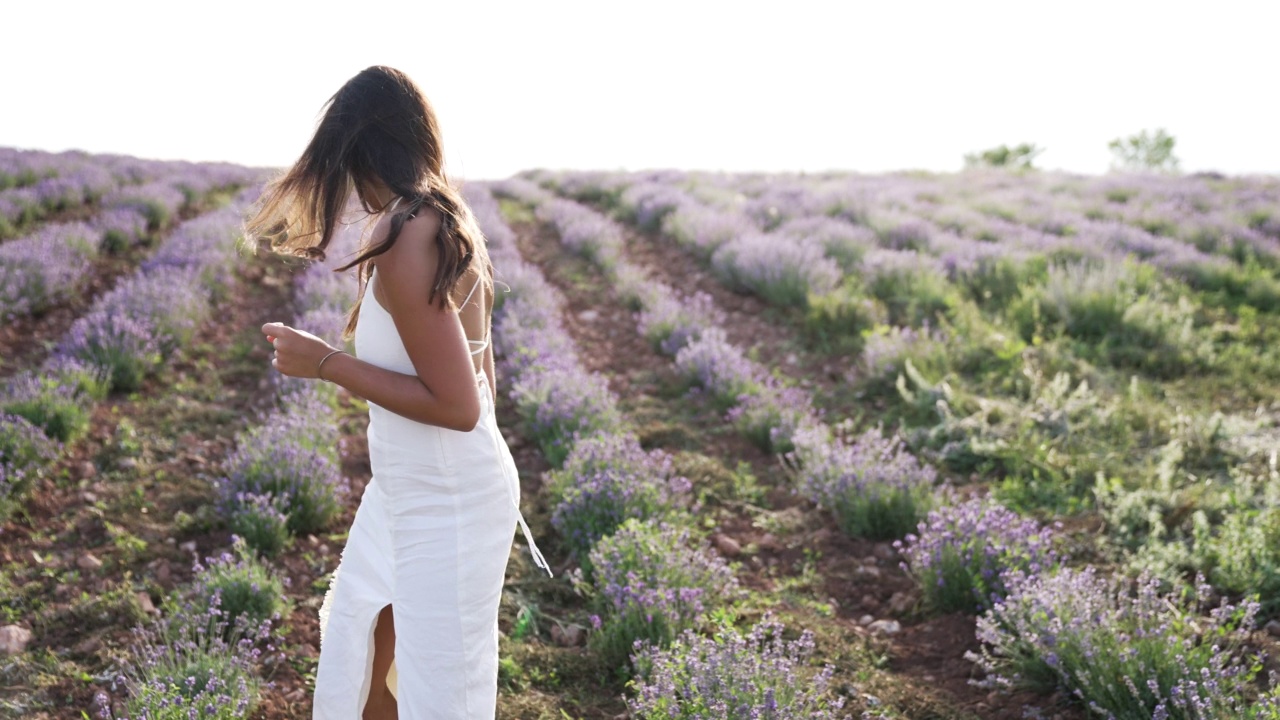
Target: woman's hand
x=298, y=352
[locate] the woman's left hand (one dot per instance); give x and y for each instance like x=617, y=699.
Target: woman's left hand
x=297, y=352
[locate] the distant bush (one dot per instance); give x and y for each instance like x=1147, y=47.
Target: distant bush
x=1018, y=156
x=1145, y=151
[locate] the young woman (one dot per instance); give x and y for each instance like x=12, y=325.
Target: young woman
x=422, y=571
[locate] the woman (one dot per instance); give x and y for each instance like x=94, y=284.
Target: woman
x=422, y=572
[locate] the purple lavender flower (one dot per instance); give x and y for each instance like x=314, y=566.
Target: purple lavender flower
x=875, y=487
x=719, y=367
x=730, y=677
x=781, y=269
x=651, y=582
x=962, y=553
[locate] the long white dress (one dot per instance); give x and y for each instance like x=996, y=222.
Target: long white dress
x=431, y=537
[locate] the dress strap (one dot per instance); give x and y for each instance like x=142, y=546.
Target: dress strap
x=468, y=298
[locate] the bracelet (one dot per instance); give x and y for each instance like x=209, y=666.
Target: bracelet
x=321, y=365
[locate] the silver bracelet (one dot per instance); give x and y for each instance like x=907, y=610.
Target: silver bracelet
x=321, y=365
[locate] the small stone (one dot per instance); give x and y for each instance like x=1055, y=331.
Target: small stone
x=13, y=639
x=768, y=542
x=144, y=602
x=574, y=635
x=88, y=497
x=792, y=359
x=87, y=470
x=88, y=562
x=822, y=535
x=1273, y=628
x=313, y=540
x=885, y=551
x=88, y=646
x=867, y=571
x=866, y=620
x=170, y=541
x=127, y=463
x=588, y=315
x=871, y=602
x=929, y=678
x=296, y=695
x=323, y=549
x=188, y=546
x=885, y=627
x=900, y=602
x=727, y=546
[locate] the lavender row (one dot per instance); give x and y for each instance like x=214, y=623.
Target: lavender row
x=650, y=582
x=126, y=335
x=35, y=184
x=285, y=477
x=870, y=495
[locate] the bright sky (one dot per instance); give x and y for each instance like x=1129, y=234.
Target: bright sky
x=792, y=85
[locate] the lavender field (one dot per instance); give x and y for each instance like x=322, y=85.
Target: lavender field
x=991, y=444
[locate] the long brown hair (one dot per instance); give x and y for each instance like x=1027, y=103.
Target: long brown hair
x=379, y=126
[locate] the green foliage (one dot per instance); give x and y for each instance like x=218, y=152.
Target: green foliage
x=1019, y=156
x=1145, y=151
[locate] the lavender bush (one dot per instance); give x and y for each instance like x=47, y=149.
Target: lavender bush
x=781, y=269
x=192, y=664
x=58, y=397
x=771, y=417
x=24, y=452
x=652, y=582
x=873, y=485
x=607, y=479
x=1130, y=656
x=291, y=456
x=961, y=554
x=238, y=585
x=719, y=367
x=559, y=404
x=261, y=521
x=731, y=676
x=44, y=268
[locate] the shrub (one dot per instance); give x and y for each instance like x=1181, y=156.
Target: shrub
x=124, y=346
x=242, y=585
x=1128, y=656
x=24, y=451
x=771, y=418
x=652, y=582
x=57, y=399
x=875, y=488
x=671, y=323
x=782, y=270
x=731, y=676
x=962, y=553
x=1145, y=151
x=291, y=456
x=194, y=663
x=261, y=521
x=561, y=403
x=607, y=479
x=718, y=367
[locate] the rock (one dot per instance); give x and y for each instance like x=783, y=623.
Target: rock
x=822, y=535
x=588, y=315
x=867, y=571
x=1273, y=628
x=163, y=571
x=144, y=602
x=188, y=546
x=127, y=463
x=88, y=562
x=87, y=470
x=13, y=639
x=870, y=602
x=727, y=546
x=885, y=627
x=885, y=551
x=900, y=603
x=296, y=695
x=866, y=620
x=792, y=359
x=88, y=497
x=88, y=646
x=768, y=542
x=566, y=636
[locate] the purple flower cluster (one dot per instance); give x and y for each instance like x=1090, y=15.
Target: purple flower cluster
x=730, y=677
x=719, y=366
x=771, y=417
x=607, y=479
x=120, y=228
x=782, y=269
x=239, y=585
x=961, y=554
x=649, y=203
x=41, y=269
x=885, y=349
x=842, y=242
x=652, y=582
x=583, y=231
x=702, y=229
x=671, y=322
x=873, y=485
x=195, y=663
x=1124, y=653
x=24, y=452
x=291, y=458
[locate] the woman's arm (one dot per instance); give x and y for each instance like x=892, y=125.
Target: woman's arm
x=444, y=391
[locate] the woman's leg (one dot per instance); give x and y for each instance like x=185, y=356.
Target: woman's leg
x=382, y=704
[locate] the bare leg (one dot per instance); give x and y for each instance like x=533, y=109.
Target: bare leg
x=381, y=704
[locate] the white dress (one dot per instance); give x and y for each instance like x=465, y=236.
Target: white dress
x=431, y=537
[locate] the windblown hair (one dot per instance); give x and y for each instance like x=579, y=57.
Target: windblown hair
x=377, y=127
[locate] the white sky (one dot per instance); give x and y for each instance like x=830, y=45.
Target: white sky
x=790, y=85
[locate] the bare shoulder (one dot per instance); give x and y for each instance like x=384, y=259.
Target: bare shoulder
x=413, y=254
